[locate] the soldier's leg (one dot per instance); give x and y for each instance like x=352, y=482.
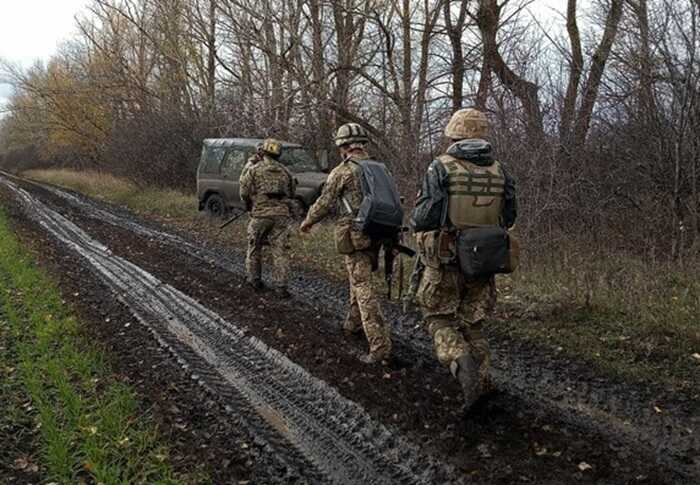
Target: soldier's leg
x=353, y=320
x=279, y=245
x=440, y=296
x=359, y=266
x=257, y=228
x=476, y=306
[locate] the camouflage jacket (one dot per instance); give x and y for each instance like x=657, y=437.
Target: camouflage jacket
x=259, y=187
x=343, y=185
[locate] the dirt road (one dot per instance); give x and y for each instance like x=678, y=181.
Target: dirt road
x=286, y=374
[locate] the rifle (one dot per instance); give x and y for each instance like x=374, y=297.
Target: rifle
x=236, y=216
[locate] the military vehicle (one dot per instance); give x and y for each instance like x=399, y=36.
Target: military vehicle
x=222, y=162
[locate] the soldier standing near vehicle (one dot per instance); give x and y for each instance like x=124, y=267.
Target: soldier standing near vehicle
x=343, y=188
x=266, y=188
x=463, y=190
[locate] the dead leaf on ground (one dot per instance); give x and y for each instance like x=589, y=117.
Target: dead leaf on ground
x=583, y=466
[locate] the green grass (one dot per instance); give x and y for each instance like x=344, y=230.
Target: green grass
x=628, y=316
x=91, y=427
x=622, y=314
x=150, y=201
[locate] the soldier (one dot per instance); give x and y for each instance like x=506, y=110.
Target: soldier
x=463, y=188
x=343, y=188
x=266, y=188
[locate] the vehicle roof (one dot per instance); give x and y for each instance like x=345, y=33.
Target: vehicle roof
x=245, y=142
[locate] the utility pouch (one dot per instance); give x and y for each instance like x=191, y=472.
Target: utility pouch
x=343, y=240
x=485, y=251
x=447, y=247
x=427, y=245
x=360, y=240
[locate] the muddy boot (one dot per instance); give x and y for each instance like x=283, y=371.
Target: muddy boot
x=466, y=369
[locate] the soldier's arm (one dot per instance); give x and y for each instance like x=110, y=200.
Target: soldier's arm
x=430, y=211
x=292, y=182
x=245, y=183
x=331, y=192
x=510, y=202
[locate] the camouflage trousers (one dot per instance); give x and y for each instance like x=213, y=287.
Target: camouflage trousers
x=454, y=309
x=275, y=232
x=364, y=312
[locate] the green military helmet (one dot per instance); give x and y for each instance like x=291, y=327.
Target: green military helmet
x=351, y=133
x=467, y=123
x=272, y=147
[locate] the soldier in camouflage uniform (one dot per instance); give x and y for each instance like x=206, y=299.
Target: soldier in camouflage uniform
x=468, y=188
x=266, y=187
x=342, y=189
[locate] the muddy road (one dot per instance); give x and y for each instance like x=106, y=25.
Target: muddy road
x=285, y=374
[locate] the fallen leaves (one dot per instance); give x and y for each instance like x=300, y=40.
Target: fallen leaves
x=696, y=356
x=23, y=463
x=583, y=466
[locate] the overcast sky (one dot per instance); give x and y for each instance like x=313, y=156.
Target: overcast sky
x=32, y=29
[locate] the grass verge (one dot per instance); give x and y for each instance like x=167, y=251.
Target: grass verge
x=90, y=426
x=150, y=201
x=626, y=316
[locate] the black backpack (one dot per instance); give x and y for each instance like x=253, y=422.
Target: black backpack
x=380, y=215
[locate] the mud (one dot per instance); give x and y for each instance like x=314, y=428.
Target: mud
x=519, y=434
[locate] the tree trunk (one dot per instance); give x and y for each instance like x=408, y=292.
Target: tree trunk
x=488, y=19
x=595, y=76
x=575, y=72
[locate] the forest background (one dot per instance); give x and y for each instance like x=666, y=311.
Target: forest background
x=598, y=122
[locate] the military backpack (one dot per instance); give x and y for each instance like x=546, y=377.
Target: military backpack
x=380, y=215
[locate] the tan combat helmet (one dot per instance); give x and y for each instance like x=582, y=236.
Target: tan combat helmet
x=467, y=123
x=272, y=147
x=351, y=133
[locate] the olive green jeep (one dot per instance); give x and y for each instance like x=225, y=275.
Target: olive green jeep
x=222, y=162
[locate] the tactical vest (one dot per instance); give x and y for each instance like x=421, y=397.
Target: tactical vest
x=475, y=192
x=273, y=180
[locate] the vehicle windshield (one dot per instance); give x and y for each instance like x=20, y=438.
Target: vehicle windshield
x=299, y=160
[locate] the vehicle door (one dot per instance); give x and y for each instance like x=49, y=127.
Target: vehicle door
x=208, y=178
x=231, y=169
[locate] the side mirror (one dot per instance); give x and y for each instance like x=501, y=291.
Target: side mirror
x=322, y=157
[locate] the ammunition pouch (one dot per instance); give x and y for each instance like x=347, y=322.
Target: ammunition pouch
x=348, y=240
x=484, y=251
x=437, y=248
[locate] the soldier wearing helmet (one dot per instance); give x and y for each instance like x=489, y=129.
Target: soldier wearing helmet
x=343, y=190
x=462, y=189
x=266, y=187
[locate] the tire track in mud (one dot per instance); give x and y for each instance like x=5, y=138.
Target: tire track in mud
x=614, y=410
x=334, y=439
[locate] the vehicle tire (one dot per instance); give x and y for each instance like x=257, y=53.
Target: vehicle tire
x=215, y=206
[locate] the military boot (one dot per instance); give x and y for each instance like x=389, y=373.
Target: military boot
x=466, y=369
